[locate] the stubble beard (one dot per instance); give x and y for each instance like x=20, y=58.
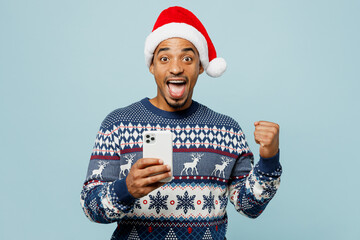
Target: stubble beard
x=177, y=105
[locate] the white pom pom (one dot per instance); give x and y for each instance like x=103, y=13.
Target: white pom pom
x=216, y=67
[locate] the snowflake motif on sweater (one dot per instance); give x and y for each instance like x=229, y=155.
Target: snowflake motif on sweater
x=158, y=202
x=212, y=163
x=185, y=202
x=209, y=202
x=223, y=201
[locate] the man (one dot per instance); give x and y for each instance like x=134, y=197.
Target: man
x=211, y=161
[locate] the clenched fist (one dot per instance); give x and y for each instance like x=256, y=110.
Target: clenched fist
x=267, y=135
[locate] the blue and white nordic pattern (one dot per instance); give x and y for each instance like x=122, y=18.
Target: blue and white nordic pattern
x=212, y=163
x=185, y=202
x=158, y=202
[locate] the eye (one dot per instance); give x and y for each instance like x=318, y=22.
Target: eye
x=164, y=59
x=187, y=59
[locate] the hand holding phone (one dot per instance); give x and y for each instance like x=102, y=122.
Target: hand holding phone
x=159, y=144
x=145, y=176
x=155, y=168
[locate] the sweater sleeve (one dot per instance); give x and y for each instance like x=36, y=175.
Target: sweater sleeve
x=252, y=187
x=104, y=197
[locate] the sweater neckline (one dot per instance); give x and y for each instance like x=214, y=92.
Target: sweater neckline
x=174, y=115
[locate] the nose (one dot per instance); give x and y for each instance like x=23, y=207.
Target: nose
x=176, y=67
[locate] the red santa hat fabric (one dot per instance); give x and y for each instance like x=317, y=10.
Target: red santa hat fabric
x=180, y=22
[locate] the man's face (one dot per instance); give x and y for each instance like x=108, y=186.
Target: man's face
x=176, y=67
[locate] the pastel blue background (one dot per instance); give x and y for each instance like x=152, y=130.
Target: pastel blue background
x=64, y=65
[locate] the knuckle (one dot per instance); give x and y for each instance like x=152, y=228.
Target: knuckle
x=270, y=135
x=134, y=167
x=142, y=191
x=140, y=161
x=150, y=180
x=154, y=169
x=136, y=175
x=148, y=171
x=136, y=183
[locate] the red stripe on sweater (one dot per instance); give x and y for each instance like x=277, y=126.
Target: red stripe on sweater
x=101, y=157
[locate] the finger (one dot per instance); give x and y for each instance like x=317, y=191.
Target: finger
x=266, y=123
x=266, y=129
x=156, y=178
x=151, y=170
x=153, y=186
x=157, y=184
x=266, y=133
x=146, y=162
x=257, y=139
x=260, y=143
x=264, y=139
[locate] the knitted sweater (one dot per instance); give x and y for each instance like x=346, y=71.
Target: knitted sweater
x=212, y=164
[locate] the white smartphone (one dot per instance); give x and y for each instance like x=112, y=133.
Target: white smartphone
x=159, y=144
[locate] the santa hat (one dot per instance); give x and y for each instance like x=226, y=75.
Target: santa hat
x=180, y=22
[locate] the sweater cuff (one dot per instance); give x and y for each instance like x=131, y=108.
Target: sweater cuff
x=122, y=192
x=270, y=165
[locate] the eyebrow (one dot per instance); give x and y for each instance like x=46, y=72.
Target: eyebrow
x=188, y=49
x=162, y=49
x=183, y=50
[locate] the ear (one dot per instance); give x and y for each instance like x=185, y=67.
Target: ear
x=151, y=68
x=201, y=69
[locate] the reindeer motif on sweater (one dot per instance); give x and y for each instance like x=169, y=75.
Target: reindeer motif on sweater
x=192, y=165
x=98, y=172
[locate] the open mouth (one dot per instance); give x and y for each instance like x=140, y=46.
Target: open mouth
x=176, y=87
